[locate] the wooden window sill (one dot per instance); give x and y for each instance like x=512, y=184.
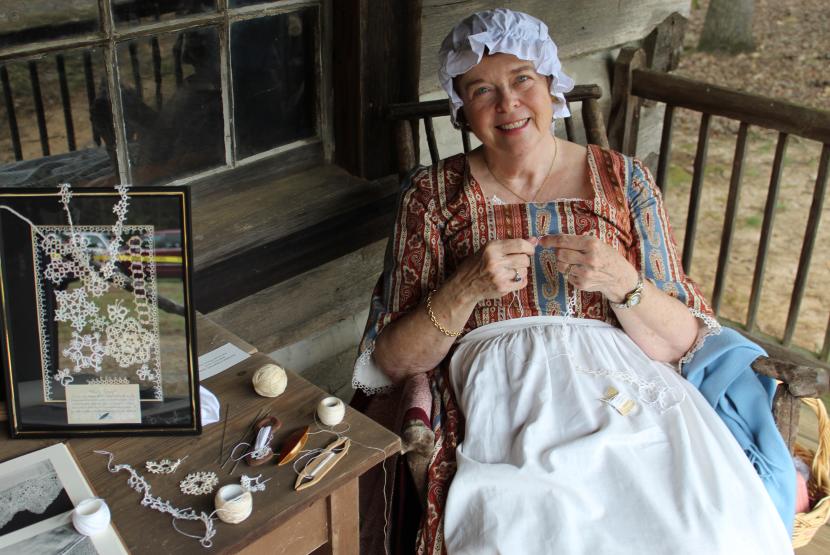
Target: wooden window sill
x=252, y=230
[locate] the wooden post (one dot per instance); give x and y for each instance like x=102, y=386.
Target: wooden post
x=625, y=108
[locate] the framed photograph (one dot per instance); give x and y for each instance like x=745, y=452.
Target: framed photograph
x=97, y=321
x=38, y=493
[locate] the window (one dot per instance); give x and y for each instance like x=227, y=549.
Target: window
x=157, y=91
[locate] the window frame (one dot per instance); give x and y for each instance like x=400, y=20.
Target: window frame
x=317, y=148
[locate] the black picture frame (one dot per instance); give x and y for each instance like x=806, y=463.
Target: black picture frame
x=61, y=327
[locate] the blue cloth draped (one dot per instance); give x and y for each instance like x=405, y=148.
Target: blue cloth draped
x=721, y=371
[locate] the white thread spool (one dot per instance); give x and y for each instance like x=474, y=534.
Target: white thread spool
x=91, y=516
x=270, y=380
x=330, y=411
x=233, y=504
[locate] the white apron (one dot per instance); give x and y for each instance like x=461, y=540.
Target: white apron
x=547, y=467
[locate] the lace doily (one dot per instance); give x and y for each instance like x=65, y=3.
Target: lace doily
x=252, y=484
x=103, y=328
x=34, y=495
x=199, y=483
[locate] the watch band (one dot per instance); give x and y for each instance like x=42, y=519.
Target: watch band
x=633, y=297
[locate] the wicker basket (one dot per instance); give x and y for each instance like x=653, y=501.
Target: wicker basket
x=807, y=524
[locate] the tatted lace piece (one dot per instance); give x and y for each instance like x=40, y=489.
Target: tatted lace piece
x=713, y=327
x=109, y=380
x=164, y=466
x=364, y=362
x=128, y=333
x=74, y=307
x=85, y=351
x=252, y=484
x=661, y=397
x=33, y=495
x=198, y=483
x=139, y=484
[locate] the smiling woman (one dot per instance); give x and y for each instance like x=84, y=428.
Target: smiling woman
x=555, y=266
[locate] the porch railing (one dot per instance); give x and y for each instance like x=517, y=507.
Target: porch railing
x=638, y=84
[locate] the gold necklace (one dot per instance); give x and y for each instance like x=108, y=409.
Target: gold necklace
x=541, y=185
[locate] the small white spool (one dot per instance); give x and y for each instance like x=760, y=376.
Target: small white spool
x=91, y=516
x=270, y=380
x=233, y=504
x=330, y=411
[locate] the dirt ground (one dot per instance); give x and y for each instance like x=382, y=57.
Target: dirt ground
x=791, y=62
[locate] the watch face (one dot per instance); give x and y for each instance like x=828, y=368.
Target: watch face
x=633, y=300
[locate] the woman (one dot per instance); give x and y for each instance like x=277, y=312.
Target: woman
x=557, y=263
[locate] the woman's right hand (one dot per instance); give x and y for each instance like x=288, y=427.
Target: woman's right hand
x=491, y=272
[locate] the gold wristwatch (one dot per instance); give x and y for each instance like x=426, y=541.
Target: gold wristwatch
x=633, y=297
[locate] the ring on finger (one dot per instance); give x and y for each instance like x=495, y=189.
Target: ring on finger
x=517, y=278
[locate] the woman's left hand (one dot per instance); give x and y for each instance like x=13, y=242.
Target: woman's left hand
x=592, y=265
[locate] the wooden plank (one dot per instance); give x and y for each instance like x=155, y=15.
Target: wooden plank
x=267, y=204
x=343, y=510
x=307, y=304
x=577, y=26
x=825, y=350
x=665, y=148
x=273, y=507
x=302, y=533
x=34, y=79
x=275, y=240
x=623, y=122
x=211, y=335
x=696, y=192
x=766, y=231
x=754, y=109
x=729, y=217
x=594, y=124
x=430, y=132
x=809, y=243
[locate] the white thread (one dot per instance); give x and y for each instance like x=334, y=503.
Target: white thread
x=270, y=380
x=233, y=503
x=331, y=411
x=139, y=484
x=91, y=516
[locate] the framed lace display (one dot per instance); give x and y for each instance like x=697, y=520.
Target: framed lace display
x=38, y=493
x=98, y=325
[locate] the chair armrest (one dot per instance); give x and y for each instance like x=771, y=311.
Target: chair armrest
x=801, y=380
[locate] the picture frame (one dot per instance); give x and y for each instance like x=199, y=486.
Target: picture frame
x=40, y=490
x=98, y=325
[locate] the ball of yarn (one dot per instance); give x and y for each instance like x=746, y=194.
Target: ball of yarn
x=330, y=411
x=270, y=380
x=233, y=504
x=91, y=516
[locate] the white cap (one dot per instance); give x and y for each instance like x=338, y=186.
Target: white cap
x=505, y=31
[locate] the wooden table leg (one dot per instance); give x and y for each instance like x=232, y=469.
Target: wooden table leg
x=344, y=526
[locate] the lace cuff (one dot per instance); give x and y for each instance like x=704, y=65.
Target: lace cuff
x=367, y=376
x=710, y=327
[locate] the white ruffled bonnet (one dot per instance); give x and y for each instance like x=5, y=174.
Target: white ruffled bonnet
x=507, y=31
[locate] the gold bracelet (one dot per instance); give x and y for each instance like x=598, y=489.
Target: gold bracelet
x=435, y=323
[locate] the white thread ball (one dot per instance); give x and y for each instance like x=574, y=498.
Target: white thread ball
x=330, y=411
x=91, y=516
x=233, y=504
x=270, y=380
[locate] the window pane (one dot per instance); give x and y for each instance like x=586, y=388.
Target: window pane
x=274, y=80
x=56, y=121
x=133, y=12
x=171, y=93
x=29, y=21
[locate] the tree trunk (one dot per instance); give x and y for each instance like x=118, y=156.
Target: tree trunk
x=728, y=26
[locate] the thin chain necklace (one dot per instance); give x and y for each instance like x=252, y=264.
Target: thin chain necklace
x=541, y=185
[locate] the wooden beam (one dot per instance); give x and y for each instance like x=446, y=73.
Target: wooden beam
x=785, y=117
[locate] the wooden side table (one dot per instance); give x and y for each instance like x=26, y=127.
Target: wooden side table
x=324, y=516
